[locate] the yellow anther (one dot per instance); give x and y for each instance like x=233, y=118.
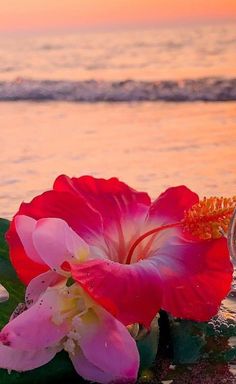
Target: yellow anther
x=81, y=255
x=209, y=219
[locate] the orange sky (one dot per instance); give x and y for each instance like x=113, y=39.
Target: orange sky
x=70, y=14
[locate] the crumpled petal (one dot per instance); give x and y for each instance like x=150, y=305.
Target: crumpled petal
x=132, y=293
x=109, y=348
x=19, y=360
x=196, y=275
x=34, y=329
x=73, y=209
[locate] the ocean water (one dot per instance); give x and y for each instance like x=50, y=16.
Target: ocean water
x=175, y=64
x=146, y=105
x=149, y=145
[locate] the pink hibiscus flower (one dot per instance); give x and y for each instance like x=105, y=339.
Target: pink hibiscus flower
x=129, y=268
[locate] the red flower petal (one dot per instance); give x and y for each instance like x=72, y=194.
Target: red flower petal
x=113, y=199
x=193, y=276
x=169, y=207
x=123, y=209
x=196, y=276
x=132, y=293
x=73, y=209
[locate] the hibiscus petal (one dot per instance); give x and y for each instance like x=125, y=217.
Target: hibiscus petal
x=34, y=328
x=196, y=276
x=18, y=360
x=132, y=293
x=169, y=207
x=39, y=284
x=73, y=209
x=89, y=371
x=123, y=209
x=25, y=226
x=107, y=344
x=112, y=198
x=25, y=267
x=56, y=243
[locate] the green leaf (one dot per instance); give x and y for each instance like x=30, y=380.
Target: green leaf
x=8, y=278
x=148, y=345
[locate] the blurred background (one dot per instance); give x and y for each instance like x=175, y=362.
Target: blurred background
x=141, y=90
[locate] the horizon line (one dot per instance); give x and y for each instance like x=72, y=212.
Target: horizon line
x=119, y=26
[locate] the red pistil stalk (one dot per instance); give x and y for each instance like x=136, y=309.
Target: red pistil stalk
x=149, y=233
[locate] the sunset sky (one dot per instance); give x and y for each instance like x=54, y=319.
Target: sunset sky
x=71, y=14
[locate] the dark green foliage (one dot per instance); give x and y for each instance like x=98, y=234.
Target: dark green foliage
x=148, y=346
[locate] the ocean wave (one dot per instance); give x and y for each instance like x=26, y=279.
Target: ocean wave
x=204, y=89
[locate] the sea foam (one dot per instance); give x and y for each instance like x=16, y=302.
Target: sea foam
x=203, y=89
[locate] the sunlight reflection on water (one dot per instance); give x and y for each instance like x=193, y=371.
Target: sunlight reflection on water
x=151, y=146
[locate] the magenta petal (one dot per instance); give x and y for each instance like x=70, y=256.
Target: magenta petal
x=169, y=207
x=18, y=360
x=34, y=329
x=89, y=371
x=107, y=344
x=196, y=276
x=39, y=284
x=132, y=293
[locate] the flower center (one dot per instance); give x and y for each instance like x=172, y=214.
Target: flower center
x=147, y=234
x=72, y=304
x=208, y=219
x=75, y=308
